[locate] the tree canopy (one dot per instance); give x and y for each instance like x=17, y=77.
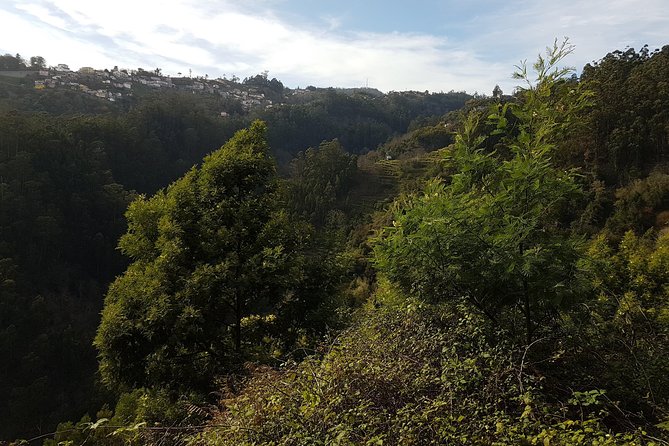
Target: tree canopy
x=494, y=235
x=208, y=251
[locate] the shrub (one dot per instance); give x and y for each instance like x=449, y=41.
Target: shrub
x=411, y=375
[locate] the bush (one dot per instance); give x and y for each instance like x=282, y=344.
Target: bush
x=641, y=205
x=620, y=338
x=141, y=417
x=411, y=375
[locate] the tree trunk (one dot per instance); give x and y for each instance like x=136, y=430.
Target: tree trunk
x=528, y=314
x=238, y=324
x=526, y=309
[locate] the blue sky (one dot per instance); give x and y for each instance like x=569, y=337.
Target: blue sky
x=391, y=45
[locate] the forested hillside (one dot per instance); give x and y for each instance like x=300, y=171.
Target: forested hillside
x=71, y=164
x=348, y=268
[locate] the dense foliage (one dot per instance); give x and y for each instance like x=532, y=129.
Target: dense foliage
x=70, y=165
x=206, y=252
x=494, y=234
x=630, y=120
x=321, y=181
x=60, y=216
x=412, y=376
x=516, y=291
x=493, y=243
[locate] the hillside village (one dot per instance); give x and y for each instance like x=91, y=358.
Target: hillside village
x=256, y=92
x=118, y=84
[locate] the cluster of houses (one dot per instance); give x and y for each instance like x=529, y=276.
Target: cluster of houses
x=116, y=84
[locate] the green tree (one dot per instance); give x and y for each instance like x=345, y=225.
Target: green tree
x=496, y=236
x=497, y=92
x=320, y=181
x=9, y=62
x=620, y=337
x=37, y=62
x=207, y=252
x=628, y=128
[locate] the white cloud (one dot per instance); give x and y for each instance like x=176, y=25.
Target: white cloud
x=43, y=14
x=245, y=39
x=46, y=41
x=596, y=27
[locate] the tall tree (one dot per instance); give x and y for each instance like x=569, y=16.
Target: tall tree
x=37, y=62
x=207, y=252
x=494, y=236
x=320, y=181
x=630, y=119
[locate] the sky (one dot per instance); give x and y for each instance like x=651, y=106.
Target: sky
x=463, y=45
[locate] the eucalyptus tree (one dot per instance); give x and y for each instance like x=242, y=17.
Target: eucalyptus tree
x=495, y=234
